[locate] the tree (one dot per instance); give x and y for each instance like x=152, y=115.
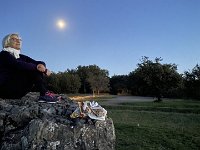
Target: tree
x=64, y=82
x=75, y=82
x=93, y=79
x=98, y=79
x=119, y=84
x=154, y=79
x=53, y=83
x=69, y=82
x=192, y=83
x=83, y=71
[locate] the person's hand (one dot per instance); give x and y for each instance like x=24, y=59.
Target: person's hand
x=41, y=68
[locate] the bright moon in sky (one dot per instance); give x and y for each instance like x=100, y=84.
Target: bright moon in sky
x=61, y=24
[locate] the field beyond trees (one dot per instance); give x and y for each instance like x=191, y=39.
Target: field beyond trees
x=170, y=124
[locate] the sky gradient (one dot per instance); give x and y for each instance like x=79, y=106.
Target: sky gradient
x=112, y=34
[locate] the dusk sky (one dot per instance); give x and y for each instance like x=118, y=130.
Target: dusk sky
x=112, y=34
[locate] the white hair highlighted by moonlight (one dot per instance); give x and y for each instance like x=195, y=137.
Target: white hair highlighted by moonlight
x=6, y=39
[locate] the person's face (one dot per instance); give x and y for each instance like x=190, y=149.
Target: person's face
x=15, y=42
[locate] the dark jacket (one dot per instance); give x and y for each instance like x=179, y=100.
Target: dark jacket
x=9, y=65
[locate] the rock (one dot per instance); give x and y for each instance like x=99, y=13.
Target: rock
x=26, y=124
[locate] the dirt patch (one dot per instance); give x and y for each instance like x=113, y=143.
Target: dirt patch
x=80, y=98
x=112, y=100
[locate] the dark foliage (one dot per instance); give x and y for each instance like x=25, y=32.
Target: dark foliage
x=150, y=78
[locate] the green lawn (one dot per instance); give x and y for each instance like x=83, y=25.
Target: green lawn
x=173, y=124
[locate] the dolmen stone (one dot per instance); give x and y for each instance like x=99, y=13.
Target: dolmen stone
x=26, y=124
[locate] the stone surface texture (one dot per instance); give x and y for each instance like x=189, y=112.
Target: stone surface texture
x=26, y=124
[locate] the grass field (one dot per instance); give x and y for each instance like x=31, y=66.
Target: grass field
x=173, y=124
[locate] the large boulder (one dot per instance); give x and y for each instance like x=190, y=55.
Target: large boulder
x=26, y=124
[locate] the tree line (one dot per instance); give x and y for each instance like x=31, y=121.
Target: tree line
x=83, y=79
x=150, y=78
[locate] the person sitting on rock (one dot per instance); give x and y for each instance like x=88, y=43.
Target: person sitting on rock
x=20, y=73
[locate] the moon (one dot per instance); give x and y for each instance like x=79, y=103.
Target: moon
x=61, y=24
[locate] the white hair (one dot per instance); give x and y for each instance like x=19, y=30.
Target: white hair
x=6, y=39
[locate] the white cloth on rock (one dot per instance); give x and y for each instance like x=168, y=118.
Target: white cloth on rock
x=90, y=109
